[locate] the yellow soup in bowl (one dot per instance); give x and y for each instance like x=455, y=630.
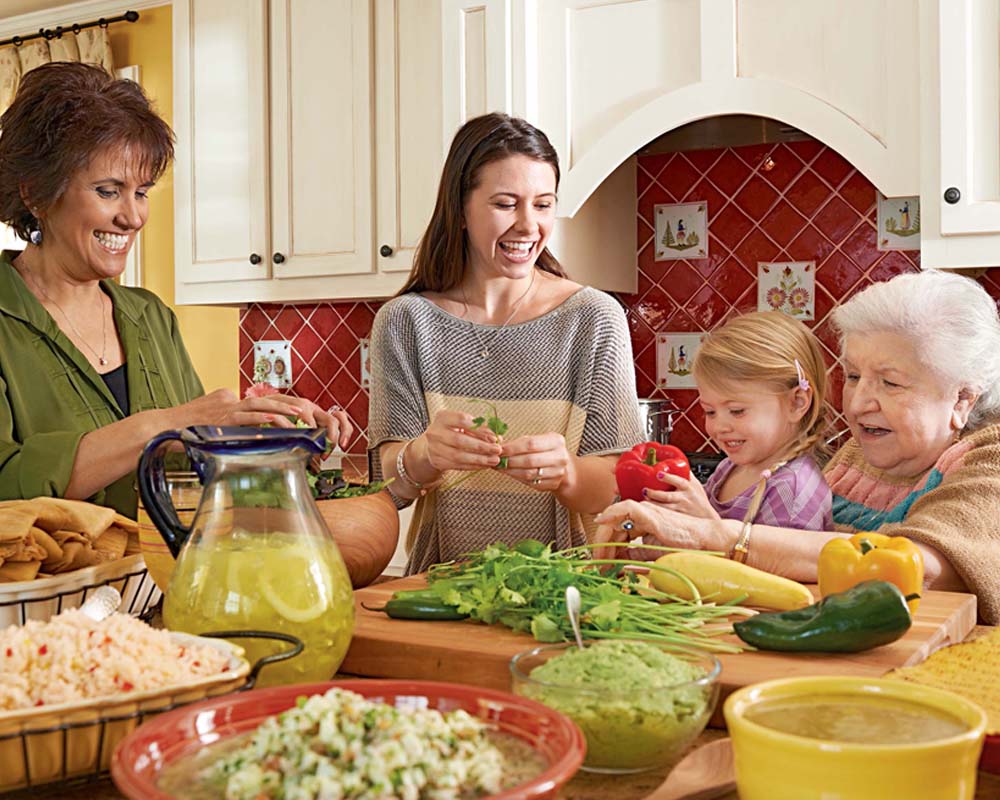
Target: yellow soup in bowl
x=861, y=720
x=840, y=738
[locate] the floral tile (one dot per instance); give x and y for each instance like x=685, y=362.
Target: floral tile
x=674, y=357
x=681, y=230
x=788, y=286
x=272, y=363
x=898, y=223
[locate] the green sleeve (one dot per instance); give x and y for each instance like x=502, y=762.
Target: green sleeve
x=39, y=466
x=191, y=383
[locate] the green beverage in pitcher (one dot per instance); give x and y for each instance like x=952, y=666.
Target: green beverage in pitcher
x=289, y=583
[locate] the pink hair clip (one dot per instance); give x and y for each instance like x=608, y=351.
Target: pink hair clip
x=803, y=380
x=765, y=474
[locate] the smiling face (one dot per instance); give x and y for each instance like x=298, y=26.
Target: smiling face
x=509, y=216
x=750, y=422
x=90, y=229
x=902, y=414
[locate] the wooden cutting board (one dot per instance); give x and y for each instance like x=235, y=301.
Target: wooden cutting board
x=472, y=653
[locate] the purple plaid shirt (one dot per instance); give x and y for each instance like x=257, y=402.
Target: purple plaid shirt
x=797, y=496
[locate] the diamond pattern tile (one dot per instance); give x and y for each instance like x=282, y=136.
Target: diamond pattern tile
x=812, y=205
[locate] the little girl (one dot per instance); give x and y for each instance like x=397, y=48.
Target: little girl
x=761, y=383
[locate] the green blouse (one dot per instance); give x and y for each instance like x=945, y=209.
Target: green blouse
x=50, y=395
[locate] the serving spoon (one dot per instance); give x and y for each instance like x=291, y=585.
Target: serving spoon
x=573, y=605
x=703, y=774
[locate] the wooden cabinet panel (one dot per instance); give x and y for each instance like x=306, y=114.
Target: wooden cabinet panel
x=220, y=196
x=321, y=157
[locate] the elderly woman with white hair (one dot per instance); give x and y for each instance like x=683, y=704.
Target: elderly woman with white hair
x=921, y=358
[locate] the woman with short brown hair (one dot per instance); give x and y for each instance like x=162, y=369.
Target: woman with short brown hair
x=92, y=370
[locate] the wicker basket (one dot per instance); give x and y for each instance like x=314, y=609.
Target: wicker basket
x=42, y=599
x=70, y=740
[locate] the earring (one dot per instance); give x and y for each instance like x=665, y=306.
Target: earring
x=35, y=236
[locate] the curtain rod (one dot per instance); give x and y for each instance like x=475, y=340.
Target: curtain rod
x=76, y=27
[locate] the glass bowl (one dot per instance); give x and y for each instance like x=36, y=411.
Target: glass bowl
x=627, y=730
x=139, y=760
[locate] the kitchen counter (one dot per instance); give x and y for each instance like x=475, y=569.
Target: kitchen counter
x=584, y=786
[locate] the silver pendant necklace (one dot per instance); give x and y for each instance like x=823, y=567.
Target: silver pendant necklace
x=101, y=358
x=485, y=351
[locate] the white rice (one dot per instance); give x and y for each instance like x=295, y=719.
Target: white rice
x=71, y=657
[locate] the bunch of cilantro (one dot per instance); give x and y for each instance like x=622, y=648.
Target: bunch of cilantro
x=524, y=588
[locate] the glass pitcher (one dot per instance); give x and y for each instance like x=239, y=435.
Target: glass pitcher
x=257, y=554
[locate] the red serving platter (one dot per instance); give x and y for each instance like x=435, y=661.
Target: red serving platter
x=140, y=757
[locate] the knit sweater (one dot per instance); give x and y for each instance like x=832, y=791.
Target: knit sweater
x=569, y=371
x=954, y=507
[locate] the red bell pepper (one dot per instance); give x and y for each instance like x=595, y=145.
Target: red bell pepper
x=637, y=469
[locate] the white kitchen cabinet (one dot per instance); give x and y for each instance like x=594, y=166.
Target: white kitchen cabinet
x=309, y=145
x=603, y=78
x=960, y=167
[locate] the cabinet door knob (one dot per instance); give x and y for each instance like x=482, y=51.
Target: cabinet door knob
x=952, y=195
x=385, y=251
x=254, y=259
x=278, y=258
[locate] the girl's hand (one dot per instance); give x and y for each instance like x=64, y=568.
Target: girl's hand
x=540, y=461
x=688, y=497
x=451, y=442
x=666, y=527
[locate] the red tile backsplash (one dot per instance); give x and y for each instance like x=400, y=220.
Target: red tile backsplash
x=799, y=201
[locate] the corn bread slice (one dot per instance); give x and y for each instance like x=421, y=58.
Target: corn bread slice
x=969, y=669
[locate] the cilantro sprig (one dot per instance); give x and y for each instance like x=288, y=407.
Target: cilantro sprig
x=497, y=426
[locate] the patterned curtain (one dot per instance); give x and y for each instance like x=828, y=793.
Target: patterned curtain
x=91, y=46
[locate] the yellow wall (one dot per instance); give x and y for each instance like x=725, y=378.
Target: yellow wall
x=211, y=334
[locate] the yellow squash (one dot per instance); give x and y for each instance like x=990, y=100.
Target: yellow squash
x=721, y=580
x=844, y=563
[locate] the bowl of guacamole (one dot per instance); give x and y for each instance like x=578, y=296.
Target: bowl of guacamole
x=639, y=704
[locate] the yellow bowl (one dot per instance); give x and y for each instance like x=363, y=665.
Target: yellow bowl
x=772, y=765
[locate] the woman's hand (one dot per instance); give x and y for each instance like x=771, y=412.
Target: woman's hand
x=540, y=461
x=453, y=442
x=223, y=407
x=687, y=497
x=663, y=526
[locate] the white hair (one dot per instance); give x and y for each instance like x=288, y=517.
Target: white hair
x=952, y=322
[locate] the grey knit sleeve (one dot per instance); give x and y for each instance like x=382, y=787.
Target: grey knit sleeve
x=397, y=409
x=613, y=421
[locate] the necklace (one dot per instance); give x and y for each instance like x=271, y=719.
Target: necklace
x=485, y=352
x=101, y=359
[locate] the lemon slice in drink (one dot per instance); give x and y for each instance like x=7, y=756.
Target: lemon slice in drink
x=296, y=582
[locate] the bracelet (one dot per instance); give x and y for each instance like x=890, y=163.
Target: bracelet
x=741, y=550
x=423, y=488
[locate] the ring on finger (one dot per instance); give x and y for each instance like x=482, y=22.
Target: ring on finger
x=538, y=477
x=628, y=524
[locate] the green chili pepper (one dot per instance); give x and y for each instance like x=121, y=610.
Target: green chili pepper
x=419, y=604
x=868, y=615
x=530, y=547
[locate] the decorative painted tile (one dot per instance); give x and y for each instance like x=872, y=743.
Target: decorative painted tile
x=272, y=363
x=674, y=357
x=898, y=223
x=366, y=375
x=788, y=286
x=681, y=230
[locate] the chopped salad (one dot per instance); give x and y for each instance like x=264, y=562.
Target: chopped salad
x=339, y=745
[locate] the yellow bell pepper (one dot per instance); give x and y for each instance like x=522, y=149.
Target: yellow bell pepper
x=844, y=563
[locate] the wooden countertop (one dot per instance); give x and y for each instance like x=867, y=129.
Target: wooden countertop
x=584, y=786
